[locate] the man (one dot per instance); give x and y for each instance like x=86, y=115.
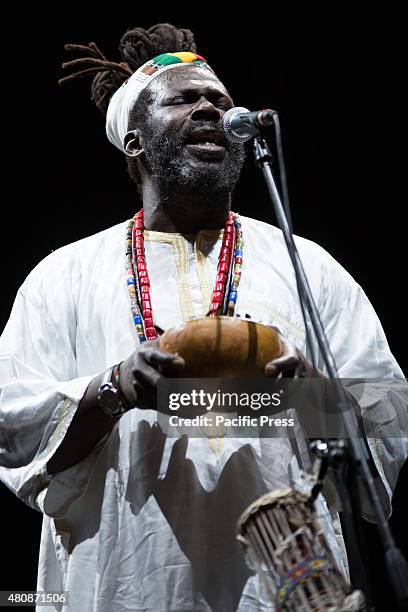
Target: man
x=134, y=519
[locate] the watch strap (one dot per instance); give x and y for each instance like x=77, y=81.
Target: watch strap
x=116, y=382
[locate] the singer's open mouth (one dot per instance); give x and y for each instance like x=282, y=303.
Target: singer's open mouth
x=207, y=143
x=207, y=149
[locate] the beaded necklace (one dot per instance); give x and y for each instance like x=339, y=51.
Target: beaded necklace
x=224, y=296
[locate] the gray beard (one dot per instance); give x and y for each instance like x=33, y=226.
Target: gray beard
x=176, y=177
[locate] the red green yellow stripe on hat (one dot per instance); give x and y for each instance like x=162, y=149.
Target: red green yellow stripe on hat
x=184, y=57
x=123, y=100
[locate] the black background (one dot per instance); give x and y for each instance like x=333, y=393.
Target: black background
x=331, y=71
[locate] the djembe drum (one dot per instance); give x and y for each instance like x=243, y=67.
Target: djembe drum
x=284, y=542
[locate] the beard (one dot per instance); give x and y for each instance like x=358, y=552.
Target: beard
x=179, y=175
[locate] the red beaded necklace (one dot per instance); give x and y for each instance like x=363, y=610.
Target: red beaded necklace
x=224, y=296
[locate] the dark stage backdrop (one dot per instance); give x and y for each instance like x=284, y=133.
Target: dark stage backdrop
x=331, y=73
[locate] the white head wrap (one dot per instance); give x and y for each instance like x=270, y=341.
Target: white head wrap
x=123, y=100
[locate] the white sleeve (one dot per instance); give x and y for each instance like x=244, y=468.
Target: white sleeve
x=40, y=392
x=361, y=351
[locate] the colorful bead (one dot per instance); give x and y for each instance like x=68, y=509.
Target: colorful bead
x=229, y=267
x=151, y=333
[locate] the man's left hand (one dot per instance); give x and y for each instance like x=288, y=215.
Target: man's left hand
x=291, y=364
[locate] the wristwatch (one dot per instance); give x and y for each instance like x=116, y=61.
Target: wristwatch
x=110, y=398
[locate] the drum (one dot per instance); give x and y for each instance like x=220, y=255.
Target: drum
x=226, y=347
x=284, y=542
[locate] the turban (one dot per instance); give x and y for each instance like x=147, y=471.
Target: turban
x=123, y=100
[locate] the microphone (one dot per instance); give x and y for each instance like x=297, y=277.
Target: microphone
x=240, y=124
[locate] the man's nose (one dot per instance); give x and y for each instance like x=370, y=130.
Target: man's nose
x=205, y=111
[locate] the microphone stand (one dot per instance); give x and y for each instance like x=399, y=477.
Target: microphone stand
x=352, y=450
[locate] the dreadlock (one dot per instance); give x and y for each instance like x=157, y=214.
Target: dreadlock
x=136, y=47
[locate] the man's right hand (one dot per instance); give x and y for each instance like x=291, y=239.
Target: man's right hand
x=139, y=375
x=142, y=370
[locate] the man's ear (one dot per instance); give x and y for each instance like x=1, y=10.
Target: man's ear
x=132, y=144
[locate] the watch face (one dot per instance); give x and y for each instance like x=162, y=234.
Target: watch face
x=109, y=400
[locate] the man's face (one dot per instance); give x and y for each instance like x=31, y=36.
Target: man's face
x=186, y=149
